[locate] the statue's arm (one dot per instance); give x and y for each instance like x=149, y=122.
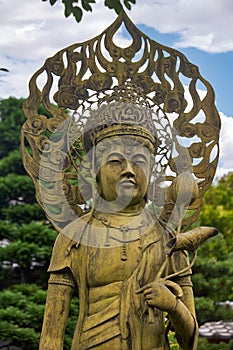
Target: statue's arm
x=178, y=303
x=57, y=307
x=183, y=320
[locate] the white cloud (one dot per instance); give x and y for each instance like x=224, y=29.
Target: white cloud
x=226, y=146
x=206, y=25
x=33, y=30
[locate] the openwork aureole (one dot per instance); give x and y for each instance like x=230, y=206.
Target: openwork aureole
x=81, y=78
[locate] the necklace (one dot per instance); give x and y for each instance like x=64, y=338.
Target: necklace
x=125, y=232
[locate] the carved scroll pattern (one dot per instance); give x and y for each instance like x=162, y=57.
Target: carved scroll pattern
x=76, y=77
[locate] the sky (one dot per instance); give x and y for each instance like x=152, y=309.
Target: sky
x=32, y=30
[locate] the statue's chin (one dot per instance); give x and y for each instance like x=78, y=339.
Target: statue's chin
x=124, y=202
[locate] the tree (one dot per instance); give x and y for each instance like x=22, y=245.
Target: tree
x=76, y=7
x=213, y=270
x=26, y=237
x=11, y=117
x=22, y=316
x=26, y=241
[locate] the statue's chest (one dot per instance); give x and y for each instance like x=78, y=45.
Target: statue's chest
x=107, y=265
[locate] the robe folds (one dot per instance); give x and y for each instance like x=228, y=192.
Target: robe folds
x=111, y=314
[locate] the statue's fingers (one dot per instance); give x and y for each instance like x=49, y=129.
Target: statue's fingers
x=175, y=288
x=149, y=296
x=148, y=291
x=150, y=302
x=142, y=289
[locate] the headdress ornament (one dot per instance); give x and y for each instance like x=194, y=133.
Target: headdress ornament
x=124, y=112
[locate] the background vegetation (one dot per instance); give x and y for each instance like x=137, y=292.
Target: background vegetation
x=76, y=7
x=26, y=241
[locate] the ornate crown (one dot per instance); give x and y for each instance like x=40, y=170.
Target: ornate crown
x=125, y=112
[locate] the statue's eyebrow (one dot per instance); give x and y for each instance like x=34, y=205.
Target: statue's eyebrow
x=139, y=155
x=116, y=155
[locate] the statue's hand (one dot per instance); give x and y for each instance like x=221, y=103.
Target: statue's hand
x=162, y=294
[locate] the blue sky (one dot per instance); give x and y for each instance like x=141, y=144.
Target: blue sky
x=217, y=68
x=31, y=31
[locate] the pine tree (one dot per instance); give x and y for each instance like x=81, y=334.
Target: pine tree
x=213, y=270
x=26, y=238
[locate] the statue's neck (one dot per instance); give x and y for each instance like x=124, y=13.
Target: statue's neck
x=133, y=209
x=121, y=217
x=119, y=208
x=130, y=210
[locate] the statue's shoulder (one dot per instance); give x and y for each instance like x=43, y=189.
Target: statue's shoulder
x=67, y=240
x=61, y=253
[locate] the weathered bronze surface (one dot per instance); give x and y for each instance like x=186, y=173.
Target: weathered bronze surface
x=121, y=156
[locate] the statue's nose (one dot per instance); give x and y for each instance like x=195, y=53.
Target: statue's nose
x=128, y=170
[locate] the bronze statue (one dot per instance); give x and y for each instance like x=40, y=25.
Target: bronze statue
x=116, y=181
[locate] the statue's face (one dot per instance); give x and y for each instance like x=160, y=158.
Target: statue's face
x=123, y=170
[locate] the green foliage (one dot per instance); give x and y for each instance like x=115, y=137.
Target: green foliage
x=214, y=267
x=16, y=188
x=76, y=7
x=221, y=195
x=26, y=338
x=11, y=119
x=29, y=248
x=203, y=344
x=117, y=6
x=22, y=316
x=23, y=213
x=27, y=239
x=12, y=163
x=172, y=341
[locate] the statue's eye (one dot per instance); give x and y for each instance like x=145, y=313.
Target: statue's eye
x=115, y=161
x=140, y=161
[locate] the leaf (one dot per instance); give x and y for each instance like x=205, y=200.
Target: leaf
x=86, y=4
x=127, y=4
x=114, y=4
x=68, y=7
x=78, y=13
x=68, y=10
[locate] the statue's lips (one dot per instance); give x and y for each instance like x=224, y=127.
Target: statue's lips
x=128, y=183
